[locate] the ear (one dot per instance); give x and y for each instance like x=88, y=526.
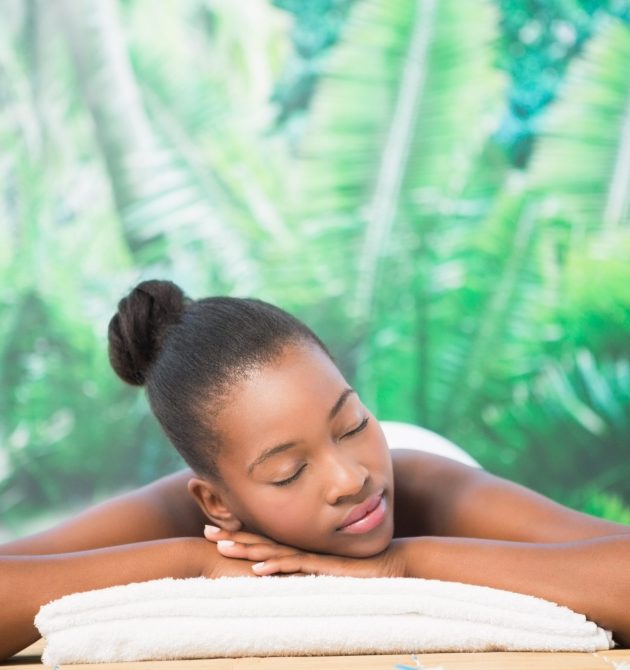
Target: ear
x=211, y=500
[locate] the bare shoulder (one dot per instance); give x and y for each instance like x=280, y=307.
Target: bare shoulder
x=170, y=496
x=424, y=482
x=435, y=495
x=158, y=510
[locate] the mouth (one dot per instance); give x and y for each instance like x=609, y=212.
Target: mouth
x=366, y=516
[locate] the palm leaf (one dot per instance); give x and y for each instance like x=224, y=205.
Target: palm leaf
x=401, y=116
x=403, y=99
x=583, y=159
x=156, y=191
x=570, y=422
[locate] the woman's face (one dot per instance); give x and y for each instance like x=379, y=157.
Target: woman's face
x=303, y=458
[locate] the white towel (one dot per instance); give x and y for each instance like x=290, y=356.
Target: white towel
x=299, y=616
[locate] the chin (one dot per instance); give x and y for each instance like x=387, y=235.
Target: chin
x=366, y=546
x=361, y=553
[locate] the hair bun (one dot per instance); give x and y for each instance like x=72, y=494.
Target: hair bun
x=137, y=330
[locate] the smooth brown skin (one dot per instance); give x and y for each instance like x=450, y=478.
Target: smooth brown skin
x=449, y=521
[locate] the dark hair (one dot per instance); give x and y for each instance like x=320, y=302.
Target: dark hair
x=187, y=353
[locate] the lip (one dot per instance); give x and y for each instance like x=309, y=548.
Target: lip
x=363, y=512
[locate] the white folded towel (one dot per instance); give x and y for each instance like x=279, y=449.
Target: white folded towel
x=299, y=616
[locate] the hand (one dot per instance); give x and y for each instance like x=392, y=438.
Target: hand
x=240, y=544
x=203, y=560
x=385, y=564
x=280, y=559
x=220, y=566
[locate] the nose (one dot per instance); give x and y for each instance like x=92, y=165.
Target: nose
x=346, y=476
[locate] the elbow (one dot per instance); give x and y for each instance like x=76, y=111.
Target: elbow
x=16, y=638
x=621, y=629
x=8, y=650
x=621, y=637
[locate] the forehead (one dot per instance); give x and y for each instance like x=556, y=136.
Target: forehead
x=279, y=398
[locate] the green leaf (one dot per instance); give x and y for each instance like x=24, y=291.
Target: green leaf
x=402, y=109
x=583, y=161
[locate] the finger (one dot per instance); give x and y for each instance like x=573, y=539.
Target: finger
x=214, y=534
x=253, y=552
x=315, y=564
x=241, y=537
x=310, y=564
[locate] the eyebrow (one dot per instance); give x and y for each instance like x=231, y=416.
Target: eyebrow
x=278, y=449
x=336, y=408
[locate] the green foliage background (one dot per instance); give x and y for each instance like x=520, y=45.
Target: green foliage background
x=441, y=189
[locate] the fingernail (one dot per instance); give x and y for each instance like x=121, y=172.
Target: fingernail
x=211, y=529
x=225, y=543
x=258, y=566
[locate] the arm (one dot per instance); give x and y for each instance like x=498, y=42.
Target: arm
x=28, y=582
x=439, y=496
x=159, y=510
x=589, y=576
x=85, y=553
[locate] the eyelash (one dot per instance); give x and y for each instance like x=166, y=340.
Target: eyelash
x=358, y=429
x=285, y=482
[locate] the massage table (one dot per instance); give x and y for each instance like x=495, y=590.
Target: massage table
x=29, y=659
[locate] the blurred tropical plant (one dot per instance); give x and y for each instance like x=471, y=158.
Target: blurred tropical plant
x=104, y=182
x=395, y=127
x=317, y=27
x=170, y=194
x=486, y=302
x=584, y=157
x=477, y=336
x=539, y=40
x=573, y=414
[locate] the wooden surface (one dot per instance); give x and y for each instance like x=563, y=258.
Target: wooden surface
x=29, y=659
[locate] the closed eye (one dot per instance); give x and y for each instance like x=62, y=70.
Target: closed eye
x=354, y=431
x=359, y=428
x=292, y=478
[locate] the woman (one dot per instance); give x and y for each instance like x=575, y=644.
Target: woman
x=291, y=474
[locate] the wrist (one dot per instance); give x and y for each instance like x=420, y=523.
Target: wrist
x=194, y=554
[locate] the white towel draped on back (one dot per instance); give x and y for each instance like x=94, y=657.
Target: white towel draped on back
x=268, y=616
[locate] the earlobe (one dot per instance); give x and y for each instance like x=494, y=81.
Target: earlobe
x=212, y=504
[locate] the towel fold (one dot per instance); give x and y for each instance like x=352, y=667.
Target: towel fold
x=297, y=616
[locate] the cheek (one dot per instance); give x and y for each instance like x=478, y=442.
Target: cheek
x=284, y=517
x=379, y=453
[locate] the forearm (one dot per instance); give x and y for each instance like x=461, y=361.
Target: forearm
x=589, y=576
x=28, y=582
